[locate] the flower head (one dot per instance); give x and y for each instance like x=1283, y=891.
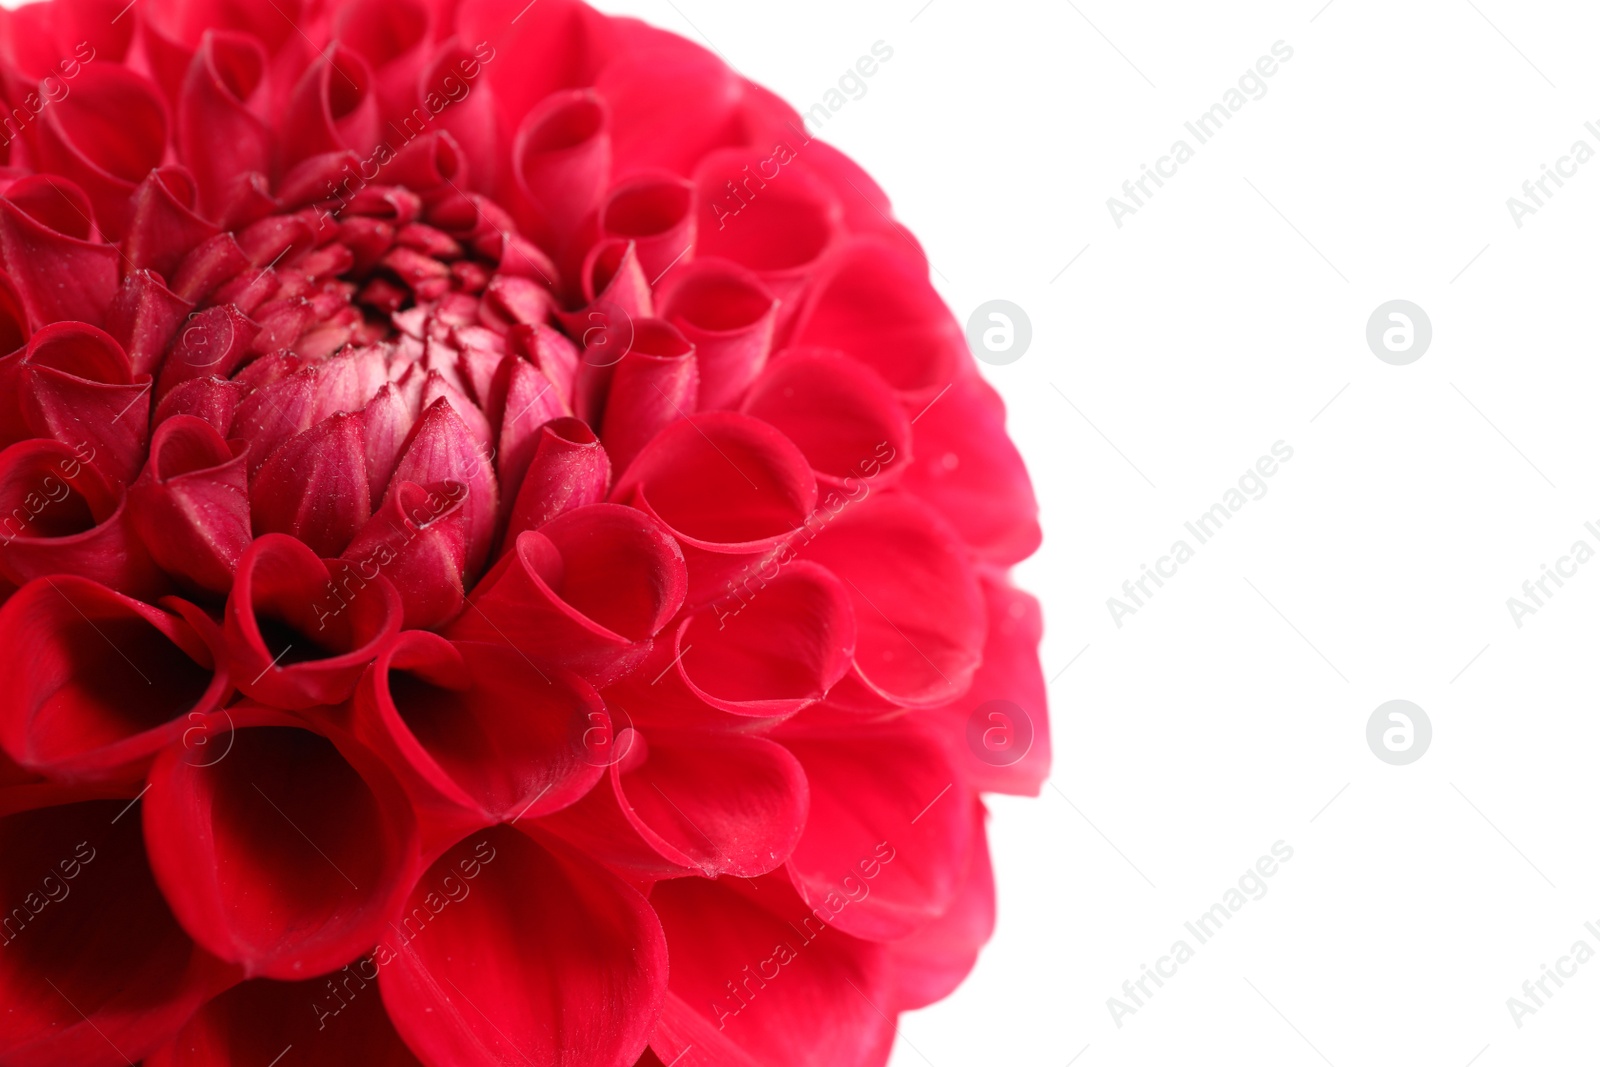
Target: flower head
x=502, y=553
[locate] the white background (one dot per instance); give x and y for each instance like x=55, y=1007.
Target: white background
x=1228, y=713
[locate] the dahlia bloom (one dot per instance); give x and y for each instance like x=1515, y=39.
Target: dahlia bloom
x=502, y=554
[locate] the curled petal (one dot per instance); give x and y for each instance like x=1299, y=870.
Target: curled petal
x=558, y=44
x=191, y=505
x=930, y=963
x=100, y=681
x=49, y=246
x=468, y=113
x=213, y=343
x=1007, y=700
x=728, y=315
x=560, y=159
x=569, y=469
x=208, y=265
x=613, y=275
x=418, y=539
x=762, y=209
x=874, y=302
x=770, y=646
x=144, y=317
x=391, y=35
x=332, y=108
x=77, y=387
x=673, y=103
x=14, y=328
x=288, y=854
x=656, y=212
x=586, y=591
x=711, y=806
x=106, y=135
x=220, y=130
x=315, y=178
x=556, y=961
x=969, y=470
x=888, y=814
x=60, y=515
x=919, y=612
x=730, y=488
x=752, y=971
x=300, y=631
x=102, y=973
x=438, y=712
x=163, y=226
x=526, y=401
x=651, y=387
x=841, y=414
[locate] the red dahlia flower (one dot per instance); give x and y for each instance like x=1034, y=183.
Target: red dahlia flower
x=502, y=550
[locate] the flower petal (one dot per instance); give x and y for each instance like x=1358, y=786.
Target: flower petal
x=730, y=488
x=560, y=160
x=220, y=133
x=586, y=591
x=688, y=804
x=295, y=638
x=442, y=448
x=930, y=963
x=418, y=540
x=144, y=317
x=77, y=386
x=654, y=210
x=314, y=486
x=729, y=316
x=100, y=681
x=283, y=853
x=163, y=226
x=50, y=249
x=556, y=961
x=569, y=469
x=99, y=972
x=438, y=711
x=760, y=208
x=106, y=135
x=874, y=301
x=884, y=800
x=332, y=108
x=651, y=387
x=774, y=644
x=191, y=505
x=844, y=417
x=919, y=613
x=61, y=515
x=759, y=979
x=1007, y=699
x=323, y=1022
